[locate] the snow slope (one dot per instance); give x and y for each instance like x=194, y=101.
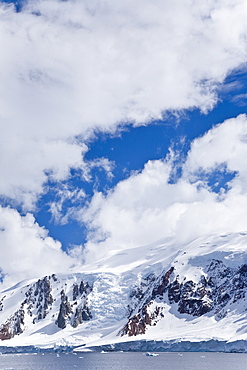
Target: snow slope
x=160, y=293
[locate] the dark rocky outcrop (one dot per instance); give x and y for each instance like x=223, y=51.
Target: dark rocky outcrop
x=161, y=288
x=36, y=304
x=81, y=314
x=75, y=291
x=13, y=326
x=139, y=322
x=39, y=299
x=65, y=310
x=85, y=288
x=39, y=302
x=1, y=302
x=219, y=286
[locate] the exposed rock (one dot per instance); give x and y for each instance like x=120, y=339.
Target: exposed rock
x=1, y=302
x=85, y=288
x=194, y=307
x=5, y=332
x=161, y=288
x=54, y=277
x=65, y=310
x=38, y=302
x=40, y=297
x=13, y=326
x=174, y=291
x=149, y=316
x=75, y=291
x=81, y=314
x=221, y=286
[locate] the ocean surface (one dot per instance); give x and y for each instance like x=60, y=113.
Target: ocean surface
x=124, y=361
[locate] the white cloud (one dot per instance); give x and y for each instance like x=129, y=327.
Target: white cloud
x=26, y=164
x=26, y=249
x=72, y=66
x=224, y=144
x=147, y=207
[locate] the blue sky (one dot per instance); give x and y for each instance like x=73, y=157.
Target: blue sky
x=131, y=148
x=115, y=127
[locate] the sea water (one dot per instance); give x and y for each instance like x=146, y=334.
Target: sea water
x=124, y=361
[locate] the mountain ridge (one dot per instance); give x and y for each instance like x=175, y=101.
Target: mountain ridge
x=161, y=293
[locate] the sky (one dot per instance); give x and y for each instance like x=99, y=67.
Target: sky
x=122, y=123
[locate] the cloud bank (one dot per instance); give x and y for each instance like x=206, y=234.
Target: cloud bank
x=26, y=249
x=147, y=206
x=69, y=68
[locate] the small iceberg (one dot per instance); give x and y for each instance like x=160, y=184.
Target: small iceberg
x=151, y=354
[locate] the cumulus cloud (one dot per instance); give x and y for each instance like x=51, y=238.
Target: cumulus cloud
x=26, y=249
x=69, y=67
x=224, y=144
x=147, y=206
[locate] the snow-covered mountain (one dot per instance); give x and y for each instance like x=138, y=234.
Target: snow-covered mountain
x=161, y=296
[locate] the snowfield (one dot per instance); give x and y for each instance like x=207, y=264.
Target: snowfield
x=162, y=296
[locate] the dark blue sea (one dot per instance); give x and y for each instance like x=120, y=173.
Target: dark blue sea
x=124, y=361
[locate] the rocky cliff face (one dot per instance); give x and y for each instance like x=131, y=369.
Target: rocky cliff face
x=214, y=293
x=81, y=312
x=70, y=309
